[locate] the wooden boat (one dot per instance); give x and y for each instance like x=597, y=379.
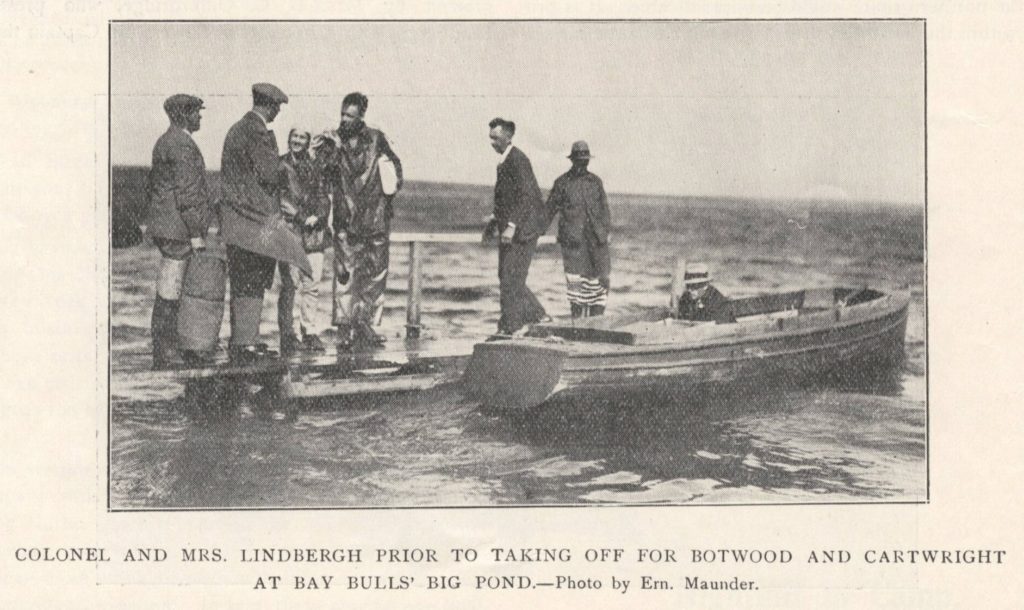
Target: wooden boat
x=777, y=336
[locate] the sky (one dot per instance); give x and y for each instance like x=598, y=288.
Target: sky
x=783, y=110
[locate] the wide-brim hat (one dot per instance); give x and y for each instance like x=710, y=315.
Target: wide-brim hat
x=580, y=150
x=696, y=273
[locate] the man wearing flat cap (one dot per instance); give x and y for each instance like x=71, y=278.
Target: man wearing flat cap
x=579, y=197
x=178, y=216
x=254, y=227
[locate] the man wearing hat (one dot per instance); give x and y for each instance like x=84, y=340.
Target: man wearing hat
x=254, y=227
x=579, y=197
x=702, y=302
x=178, y=216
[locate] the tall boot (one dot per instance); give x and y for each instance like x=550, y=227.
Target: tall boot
x=245, y=325
x=596, y=310
x=164, y=329
x=577, y=310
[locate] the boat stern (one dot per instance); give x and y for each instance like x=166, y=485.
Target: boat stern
x=512, y=374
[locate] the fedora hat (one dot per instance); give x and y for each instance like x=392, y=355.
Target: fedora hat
x=580, y=150
x=696, y=273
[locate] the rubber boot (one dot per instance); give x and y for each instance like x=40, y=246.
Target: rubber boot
x=164, y=329
x=245, y=320
x=596, y=310
x=577, y=310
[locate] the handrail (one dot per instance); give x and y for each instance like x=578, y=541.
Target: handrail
x=415, y=292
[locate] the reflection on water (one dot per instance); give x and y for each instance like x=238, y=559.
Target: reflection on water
x=809, y=444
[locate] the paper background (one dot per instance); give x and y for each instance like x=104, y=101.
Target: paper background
x=53, y=412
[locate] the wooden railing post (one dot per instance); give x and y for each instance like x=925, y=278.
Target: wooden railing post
x=678, y=283
x=412, y=311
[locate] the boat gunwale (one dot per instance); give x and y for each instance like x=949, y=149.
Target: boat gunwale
x=746, y=357
x=899, y=304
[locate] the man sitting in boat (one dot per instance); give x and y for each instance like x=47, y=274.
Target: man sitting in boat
x=702, y=302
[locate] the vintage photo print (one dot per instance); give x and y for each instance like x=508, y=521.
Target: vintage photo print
x=395, y=264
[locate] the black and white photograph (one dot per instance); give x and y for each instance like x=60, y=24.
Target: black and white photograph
x=517, y=263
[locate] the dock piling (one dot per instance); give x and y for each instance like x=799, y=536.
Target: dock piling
x=412, y=312
x=678, y=282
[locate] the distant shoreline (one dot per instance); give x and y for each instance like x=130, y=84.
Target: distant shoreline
x=413, y=186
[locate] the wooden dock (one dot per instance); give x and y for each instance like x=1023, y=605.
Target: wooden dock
x=416, y=364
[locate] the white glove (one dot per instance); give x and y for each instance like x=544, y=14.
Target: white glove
x=508, y=233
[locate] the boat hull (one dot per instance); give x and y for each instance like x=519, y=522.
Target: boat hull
x=522, y=373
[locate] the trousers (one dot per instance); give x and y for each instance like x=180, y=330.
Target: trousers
x=519, y=306
x=360, y=277
x=587, y=268
x=297, y=287
x=170, y=278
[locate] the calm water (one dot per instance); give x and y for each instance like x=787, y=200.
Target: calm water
x=859, y=439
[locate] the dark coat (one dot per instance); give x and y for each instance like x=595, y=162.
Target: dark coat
x=580, y=199
x=253, y=179
x=179, y=198
x=711, y=306
x=517, y=198
x=353, y=177
x=311, y=197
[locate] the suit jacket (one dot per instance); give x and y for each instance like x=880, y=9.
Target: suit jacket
x=580, y=199
x=179, y=198
x=517, y=198
x=252, y=180
x=710, y=306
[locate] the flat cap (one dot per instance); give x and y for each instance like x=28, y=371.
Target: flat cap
x=270, y=92
x=182, y=102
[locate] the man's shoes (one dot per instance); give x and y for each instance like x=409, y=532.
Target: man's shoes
x=250, y=354
x=312, y=343
x=290, y=344
x=344, y=338
x=196, y=360
x=366, y=336
x=521, y=331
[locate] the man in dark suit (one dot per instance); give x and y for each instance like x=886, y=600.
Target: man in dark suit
x=520, y=218
x=177, y=218
x=702, y=302
x=583, y=227
x=254, y=228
